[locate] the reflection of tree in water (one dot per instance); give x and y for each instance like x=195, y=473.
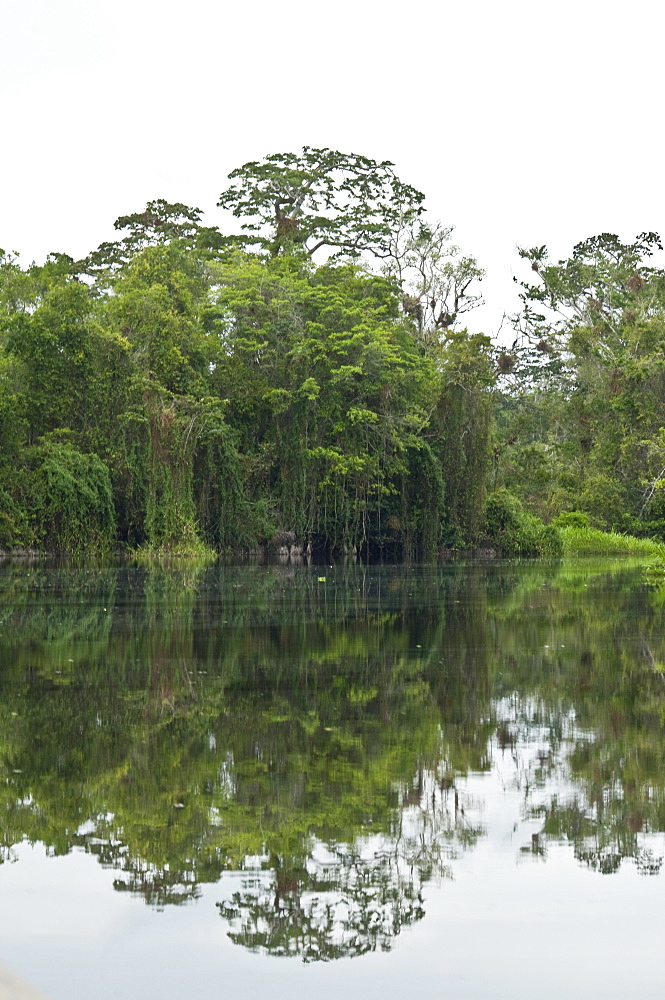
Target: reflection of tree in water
x=600, y=842
x=355, y=898
x=322, y=911
x=158, y=887
x=214, y=716
x=602, y=836
x=597, y=790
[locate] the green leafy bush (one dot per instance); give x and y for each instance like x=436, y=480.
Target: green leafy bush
x=13, y=522
x=572, y=519
x=513, y=531
x=580, y=541
x=68, y=498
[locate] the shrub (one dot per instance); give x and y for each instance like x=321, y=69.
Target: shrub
x=13, y=521
x=69, y=499
x=605, y=500
x=592, y=541
x=513, y=531
x=572, y=519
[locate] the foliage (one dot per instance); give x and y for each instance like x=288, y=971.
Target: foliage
x=583, y=540
x=438, y=284
x=161, y=223
x=240, y=398
x=259, y=400
x=459, y=433
x=67, y=497
x=14, y=527
x=321, y=198
x=326, y=389
x=516, y=532
x=584, y=430
x=572, y=519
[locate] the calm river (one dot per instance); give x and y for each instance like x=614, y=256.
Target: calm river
x=270, y=782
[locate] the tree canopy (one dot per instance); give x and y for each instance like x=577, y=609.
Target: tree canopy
x=590, y=342
x=245, y=397
x=245, y=393
x=321, y=198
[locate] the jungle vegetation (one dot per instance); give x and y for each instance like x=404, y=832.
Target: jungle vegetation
x=310, y=382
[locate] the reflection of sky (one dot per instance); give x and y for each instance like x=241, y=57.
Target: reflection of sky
x=505, y=925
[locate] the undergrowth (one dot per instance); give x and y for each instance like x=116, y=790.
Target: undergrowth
x=583, y=541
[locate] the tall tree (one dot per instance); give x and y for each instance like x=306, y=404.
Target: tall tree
x=326, y=387
x=438, y=283
x=600, y=318
x=159, y=224
x=321, y=198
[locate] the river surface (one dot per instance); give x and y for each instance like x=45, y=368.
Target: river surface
x=248, y=782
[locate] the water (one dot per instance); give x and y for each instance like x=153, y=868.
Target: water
x=430, y=781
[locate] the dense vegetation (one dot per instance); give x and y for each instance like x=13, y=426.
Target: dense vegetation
x=310, y=382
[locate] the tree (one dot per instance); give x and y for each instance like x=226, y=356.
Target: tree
x=159, y=224
x=458, y=431
x=438, y=285
x=597, y=321
x=54, y=346
x=326, y=388
x=170, y=419
x=233, y=395
x=321, y=198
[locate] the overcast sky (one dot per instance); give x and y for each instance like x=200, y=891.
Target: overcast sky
x=523, y=122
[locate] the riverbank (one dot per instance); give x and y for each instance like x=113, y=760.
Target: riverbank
x=584, y=541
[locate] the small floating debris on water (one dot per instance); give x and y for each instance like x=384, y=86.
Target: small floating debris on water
x=178, y=805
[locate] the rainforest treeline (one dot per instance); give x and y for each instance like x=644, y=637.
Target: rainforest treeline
x=309, y=384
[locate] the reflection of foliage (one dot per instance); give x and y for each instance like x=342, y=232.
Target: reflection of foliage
x=179, y=722
x=173, y=752
x=346, y=907
x=603, y=841
x=159, y=887
x=360, y=897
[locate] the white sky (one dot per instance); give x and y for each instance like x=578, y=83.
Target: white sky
x=523, y=122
